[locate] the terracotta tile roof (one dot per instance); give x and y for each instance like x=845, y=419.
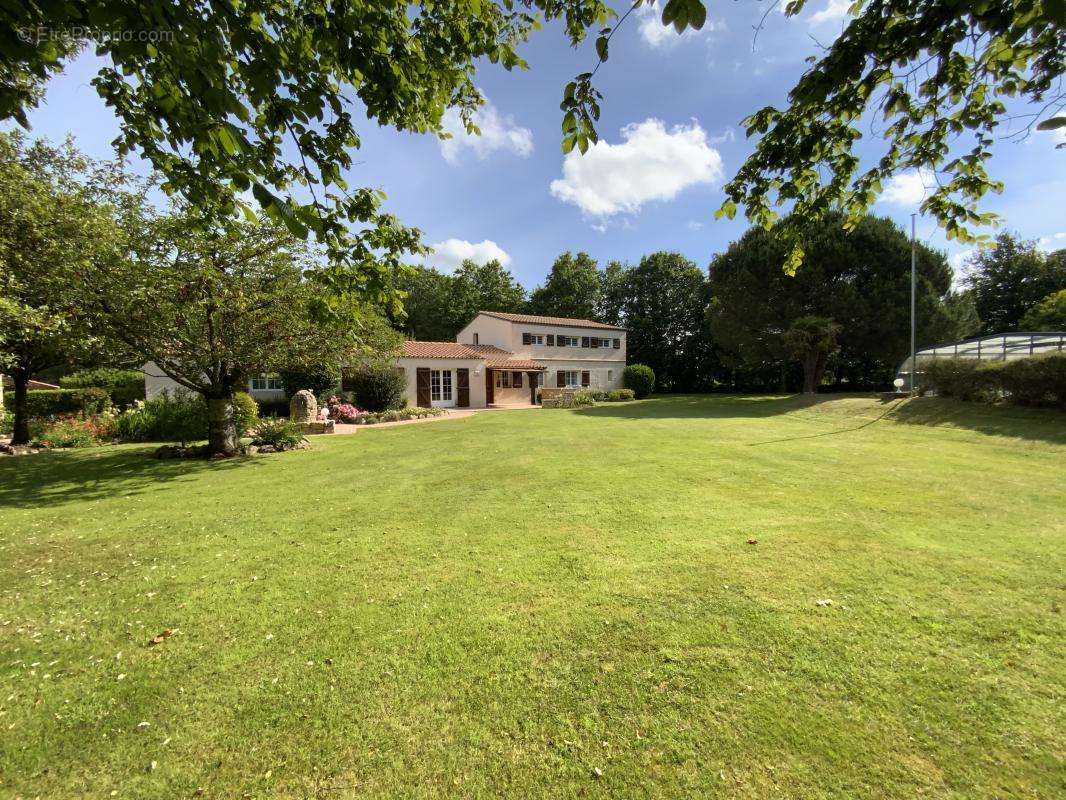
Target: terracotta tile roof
x=514, y=363
x=531, y=319
x=9, y=383
x=451, y=350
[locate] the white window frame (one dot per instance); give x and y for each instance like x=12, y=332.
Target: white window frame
x=440, y=385
x=503, y=379
x=577, y=378
x=265, y=383
x=569, y=341
x=537, y=339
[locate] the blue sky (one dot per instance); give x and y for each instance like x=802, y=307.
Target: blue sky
x=669, y=140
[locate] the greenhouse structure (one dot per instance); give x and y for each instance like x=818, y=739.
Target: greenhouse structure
x=996, y=347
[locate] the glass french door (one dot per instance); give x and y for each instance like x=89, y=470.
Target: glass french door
x=440, y=388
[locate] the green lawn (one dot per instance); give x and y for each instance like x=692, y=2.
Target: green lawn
x=549, y=603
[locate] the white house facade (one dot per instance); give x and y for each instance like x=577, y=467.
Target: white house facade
x=498, y=359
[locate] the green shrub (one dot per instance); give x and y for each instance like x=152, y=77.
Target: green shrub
x=245, y=412
x=122, y=385
x=961, y=378
x=6, y=421
x=398, y=415
x=376, y=387
x=1035, y=381
x=321, y=379
x=599, y=395
x=179, y=417
x=583, y=398
x=281, y=434
x=621, y=395
x=640, y=378
x=43, y=403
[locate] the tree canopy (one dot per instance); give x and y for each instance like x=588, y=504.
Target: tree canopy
x=573, y=289
x=53, y=215
x=438, y=305
x=1011, y=277
x=212, y=306
x=859, y=280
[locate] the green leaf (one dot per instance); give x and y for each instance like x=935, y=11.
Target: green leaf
x=1052, y=124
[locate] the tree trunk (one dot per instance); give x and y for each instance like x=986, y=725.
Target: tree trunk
x=222, y=436
x=21, y=431
x=813, y=367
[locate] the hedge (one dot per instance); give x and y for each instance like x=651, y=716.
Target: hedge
x=376, y=387
x=122, y=385
x=1036, y=380
x=52, y=402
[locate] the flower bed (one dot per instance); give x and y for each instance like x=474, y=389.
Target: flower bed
x=348, y=414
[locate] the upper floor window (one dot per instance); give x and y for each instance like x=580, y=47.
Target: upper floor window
x=265, y=383
x=568, y=341
x=533, y=338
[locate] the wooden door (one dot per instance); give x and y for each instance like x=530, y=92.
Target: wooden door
x=490, y=394
x=462, y=385
x=422, y=384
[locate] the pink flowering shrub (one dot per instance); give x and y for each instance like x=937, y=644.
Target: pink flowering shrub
x=339, y=411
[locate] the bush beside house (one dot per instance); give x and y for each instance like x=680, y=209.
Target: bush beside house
x=375, y=388
x=43, y=403
x=640, y=378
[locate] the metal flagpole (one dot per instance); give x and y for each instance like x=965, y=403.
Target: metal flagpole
x=914, y=303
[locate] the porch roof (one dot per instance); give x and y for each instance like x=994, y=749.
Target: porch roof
x=517, y=364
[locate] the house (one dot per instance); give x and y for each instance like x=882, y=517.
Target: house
x=502, y=359
x=498, y=359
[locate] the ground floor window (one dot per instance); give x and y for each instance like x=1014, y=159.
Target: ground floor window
x=571, y=378
x=610, y=375
x=440, y=385
x=265, y=383
x=503, y=379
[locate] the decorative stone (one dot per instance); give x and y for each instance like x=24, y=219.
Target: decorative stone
x=303, y=408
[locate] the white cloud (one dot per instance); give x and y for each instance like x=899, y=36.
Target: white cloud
x=1053, y=242
x=498, y=132
x=651, y=163
x=657, y=35
x=908, y=188
x=694, y=225
x=834, y=11
x=450, y=253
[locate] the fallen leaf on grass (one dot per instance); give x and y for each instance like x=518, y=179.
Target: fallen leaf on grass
x=823, y=602
x=162, y=637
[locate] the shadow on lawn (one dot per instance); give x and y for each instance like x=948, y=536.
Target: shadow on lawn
x=1035, y=424
x=708, y=406
x=33, y=481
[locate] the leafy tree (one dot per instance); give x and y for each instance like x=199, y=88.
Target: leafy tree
x=426, y=305
x=211, y=306
x=858, y=279
x=935, y=75
x=663, y=304
x=573, y=289
x=52, y=216
x=223, y=98
x=1009, y=279
x=811, y=339
x=612, y=293
x=1047, y=315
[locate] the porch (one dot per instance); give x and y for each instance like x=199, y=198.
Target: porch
x=513, y=384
